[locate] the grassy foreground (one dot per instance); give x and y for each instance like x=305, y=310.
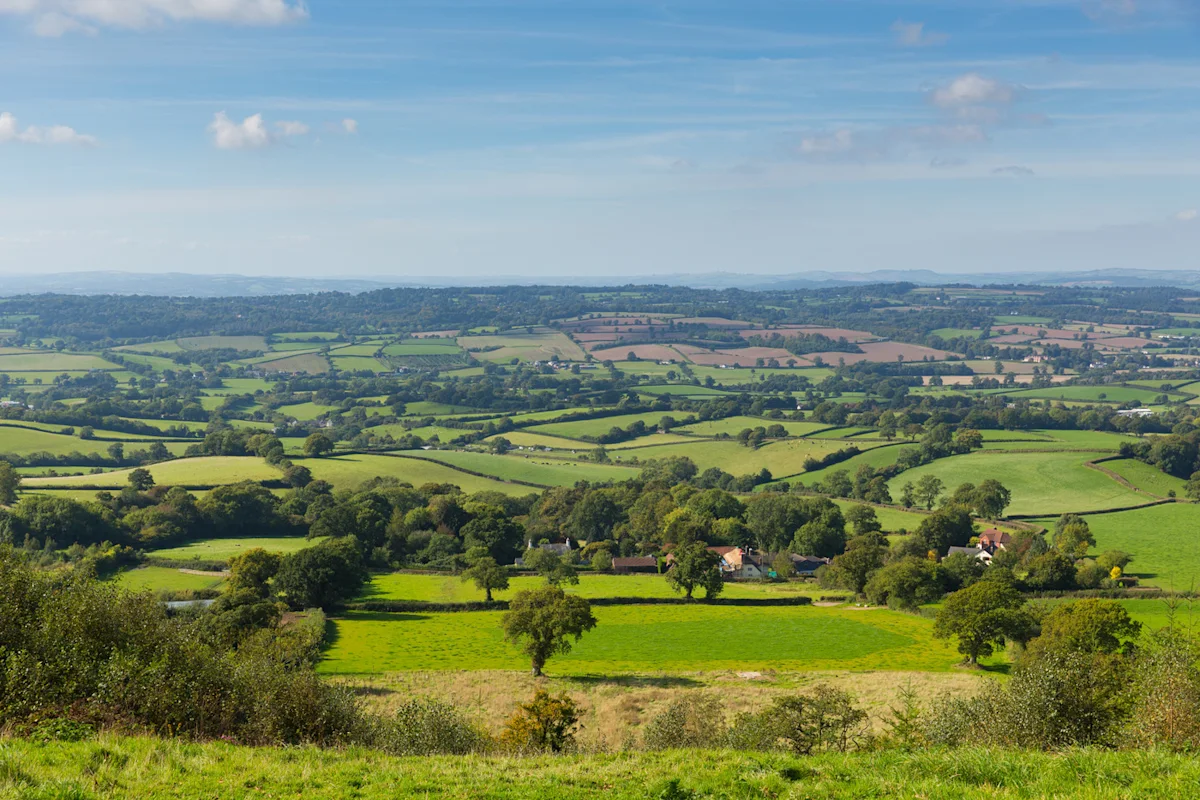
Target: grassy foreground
x=112, y=767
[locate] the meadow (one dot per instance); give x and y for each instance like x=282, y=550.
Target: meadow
x=20, y=440
x=1146, y=477
x=637, y=639
x=782, y=458
x=576, y=429
x=225, y=549
x=1041, y=482
x=531, y=470
x=165, y=579
x=877, y=458
x=735, y=425
x=208, y=471
x=1162, y=539
x=351, y=470
x=153, y=768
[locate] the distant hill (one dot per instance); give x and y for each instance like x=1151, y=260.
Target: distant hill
x=179, y=284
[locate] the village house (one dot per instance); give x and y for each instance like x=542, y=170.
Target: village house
x=994, y=539
x=977, y=552
x=635, y=564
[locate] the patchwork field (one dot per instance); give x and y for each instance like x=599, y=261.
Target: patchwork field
x=1040, y=482
x=531, y=470
x=537, y=346
x=225, y=549
x=628, y=639
x=51, y=361
x=782, y=458
x=350, y=471
x=210, y=471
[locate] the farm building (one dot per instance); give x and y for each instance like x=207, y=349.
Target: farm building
x=637, y=564
x=977, y=552
x=994, y=539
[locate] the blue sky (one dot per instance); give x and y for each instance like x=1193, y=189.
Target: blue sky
x=552, y=140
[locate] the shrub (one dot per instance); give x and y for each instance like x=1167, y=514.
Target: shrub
x=692, y=720
x=545, y=724
x=428, y=727
x=824, y=720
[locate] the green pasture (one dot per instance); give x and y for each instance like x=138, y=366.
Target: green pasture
x=451, y=589
x=24, y=441
x=544, y=472
x=1164, y=541
x=635, y=639
x=427, y=432
x=305, y=412
x=784, y=457
x=53, y=361
x=358, y=363
x=240, y=386
x=1090, y=394
x=225, y=549
x=160, y=579
x=1017, y=319
x=425, y=408
x=1056, y=440
x=155, y=363
x=953, y=333
x=1146, y=477
x=1041, y=482
x=207, y=471
x=303, y=336
x=423, y=347
x=166, y=346
x=597, y=427
x=351, y=470
x=682, y=390
x=311, y=363
x=529, y=439
x=223, y=343
x=1154, y=613
x=537, y=346
x=878, y=457
x=735, y=425
x=552, y=414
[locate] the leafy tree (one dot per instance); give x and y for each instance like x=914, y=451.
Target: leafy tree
x=961, y=569
x=594, y=516
x=551, y=566
x=487, y=575
x=490, y=528
x=297, y=476
x=928, y=489
x=908, y=495
x=905, y=584
x=852, y=569
x=949, y=526
x=981, y=617
x=863, y=519
x=116, y=451
x=1110, y=559
x=783, y=566
x=1051, y=571
x=317, y=444
x=541, y=621
x=253, y=570
x=321, y=576
x=1087, y=626
x=10, y=482
x=967, y=439
x=990, y=499
x=695, y=566
x=776, y=520
x=141, y=480
x=1072, y=536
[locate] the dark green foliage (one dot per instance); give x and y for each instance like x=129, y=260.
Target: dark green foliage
x=543, y=621
x=322, y=576
x=822, y=720
x=981, y=617
x=906, y=584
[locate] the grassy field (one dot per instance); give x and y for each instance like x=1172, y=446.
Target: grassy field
x=159, y=579
x=878, y=457
x=225, y=549
x=596, y=427
x=305, y=412
x=1097, y=394
x=1147, y=478
x=640, y=639
x=540, y=345
x=785, y=457
x=20, y=440
x=51, y=361
x=350, y=471
x=209, y=471
x=311, y=363
x=113, y=767
x=223, y=342
x=1041, y=483
x=545, y=472
x=1162, y=539
x=451, y=589
x=357, y=363
x=735, y=425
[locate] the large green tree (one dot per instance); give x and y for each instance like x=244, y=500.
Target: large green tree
x=981, y=617
x=487, y=575
x=10, y=482
x=543, y=621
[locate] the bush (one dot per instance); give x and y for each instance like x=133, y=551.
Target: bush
x=692, y=720
x=824, y=720
x=545, y=724
x=428, y=727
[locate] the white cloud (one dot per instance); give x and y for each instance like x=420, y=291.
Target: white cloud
x=56, y=17
x=1188, y=215
x=971, y=90
x=11, y=131
x=350, y=126
x=838, y=142
x=913, y=34
x=291, y=128
x=250, y=133
x=1014, y=172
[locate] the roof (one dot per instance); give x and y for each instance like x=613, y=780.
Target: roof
x=722, y=550
x=635, y=561
x=995, y=535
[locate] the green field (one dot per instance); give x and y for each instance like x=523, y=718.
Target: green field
x=1146, y=477
x=225, y=549
x=1041, y=483
x=735, y=425
x=1090, y=394
x=450, y=589
x=1164, y=541
x=559, y=472
x=597, y=427
x=223, y=342
x=305, y=412
x=682, y=390
x=208, y=471
x=163, y=768
x=952, y=333
x=423, y=347
x=358, y=363
x=638, y=639
x=350, y=471
x=160, y=579
x=782, y=458
x=310, y=363
x=878, y=457
x=537, y=346
x=23, y=441
x=303, y=336
x=52, y=361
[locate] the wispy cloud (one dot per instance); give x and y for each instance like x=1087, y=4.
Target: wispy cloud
x=58, y=17
x=913, y=34
x=11, y=131
x=1014, y=172
x=249, y=134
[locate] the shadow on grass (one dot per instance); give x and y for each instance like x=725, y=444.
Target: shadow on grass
x=384, y=616
x=635, y=681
